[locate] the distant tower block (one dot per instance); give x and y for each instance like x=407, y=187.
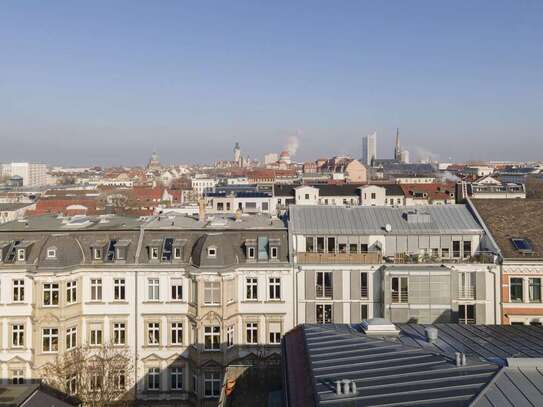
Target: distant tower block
x=369, y=149
x=237, y=154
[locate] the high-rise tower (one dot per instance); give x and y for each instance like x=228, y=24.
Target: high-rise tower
x=369, y=149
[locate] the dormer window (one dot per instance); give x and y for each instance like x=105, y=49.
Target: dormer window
x=212, y=251
x=177, y=253
x=119, y=253
x=250, y=252
x=153, y=253
x=21, y=254
x=97, y=255
x=273, y=252
x=51, y=253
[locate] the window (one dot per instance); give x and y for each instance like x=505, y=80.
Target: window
x=212, y=292
x=177, y=289
x=71, y=338
x=309, y=244
x=466, y=281
x=176, y=330
x=195, y=383
x=212, y=337
x=320, y=244
x=516, y=287
x=535, y=289
x=18, y=290
x=176, y=378
x=119, y=380
x=153, y=286
x=467, y=248
x=275, y=333
x=17, y=376
x=250, y=252
x=97, y=253
x=212, y=384
x=251, y=329
x=363, y=248
x=324, y=284
x=324, y=313
x=273, y=252
x=373, y=195
x=353, y=248
x=363, y=312
x=153, y=379
x=153, y=253
x=331, y=245
x=18, y=335
x=230, y=336
x=50, y=339
x=399, y=288
x=119, y=333
x=119, y=289
x=251, y=288
x=275, y=288
x=95, y=335
x=445, y=252
x=50, y=294
x=342, y=247
x=96, y=289
x=306, y=196
x=71, y=384
x=212, y=251
x=21, y=254
x=153, y=333
x=456, y=248
x=51, y=253
x=466, y=314
x=364, y=285
x=177, y=253
x=71, y=292
x=95, y=382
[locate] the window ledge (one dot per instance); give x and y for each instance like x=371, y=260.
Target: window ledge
x=274, y=302
x=152, y=302
x=97, y=302
x=119, y=302
x=176, y=302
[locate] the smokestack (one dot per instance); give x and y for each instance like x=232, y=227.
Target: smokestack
x=202, y=210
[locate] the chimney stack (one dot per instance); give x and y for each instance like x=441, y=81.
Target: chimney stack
x=201, y=210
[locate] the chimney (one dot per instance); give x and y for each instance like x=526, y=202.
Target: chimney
x=238, y=215
x=431, y=334
x=201, y=210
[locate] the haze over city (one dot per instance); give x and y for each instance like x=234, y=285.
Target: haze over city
x=107, y=83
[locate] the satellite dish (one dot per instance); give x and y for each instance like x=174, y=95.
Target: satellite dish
x=388, y=228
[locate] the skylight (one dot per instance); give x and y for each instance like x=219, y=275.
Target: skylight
x=522, y=245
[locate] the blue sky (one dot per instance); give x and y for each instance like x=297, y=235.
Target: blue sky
x=108, y=82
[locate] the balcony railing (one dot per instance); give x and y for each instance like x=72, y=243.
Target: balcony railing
x=400, y=297
x=466, y=293
x=364, y=292
x=339, y=258
x=324, y=292
x=407, y=258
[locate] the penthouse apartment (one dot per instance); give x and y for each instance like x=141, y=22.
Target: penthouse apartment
x=422, y=265
x=187, y=296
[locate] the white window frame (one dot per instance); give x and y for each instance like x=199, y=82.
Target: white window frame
x=275, y=336
x=213, y=287
x=230, y=336
x=21, y=254
x=96, y=335
x=213, y=334
x=153, y=333
x=251, y=252
x=176, y=332
x=51, y=288
x=119, y=328
x=71, y=338
x=18, y=290
x=176, y=289
x=153, y=372
x=154, y=253
x=119, y=289
x=212, y=251
x=18, y=336
x=153, y=289
x=17, y=376
x=176, y=378
x=274, y=288
x=51, y=253
x=177, y=253
x=214, y=379
x=96, y=289
x=251, y=288
x=71, y=292
x=251, y=333
x=274, y=251
x=49, y=334
x=97, y=253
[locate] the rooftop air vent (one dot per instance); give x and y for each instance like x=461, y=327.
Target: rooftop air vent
x=346, y=387
x=431, y=334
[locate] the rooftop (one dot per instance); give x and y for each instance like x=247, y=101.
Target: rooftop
x=171, y=220
x=437, y=219
x=509, y=219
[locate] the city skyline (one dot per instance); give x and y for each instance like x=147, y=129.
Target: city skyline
x=177, y=79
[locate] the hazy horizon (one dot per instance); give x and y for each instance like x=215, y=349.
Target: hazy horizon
x=106, y=83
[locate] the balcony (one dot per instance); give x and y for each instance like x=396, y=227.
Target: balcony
x=407, y=258
x=400, y=297
x=466, y=293
x=324, y=292
x=339, y=258
x=364, y=292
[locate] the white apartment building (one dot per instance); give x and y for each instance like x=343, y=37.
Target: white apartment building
x=33, y=174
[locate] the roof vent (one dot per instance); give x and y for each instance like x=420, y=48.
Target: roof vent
x=431, y=334
x=379, y=327
x=388, y=228
x=346, y=387
x=460, y=359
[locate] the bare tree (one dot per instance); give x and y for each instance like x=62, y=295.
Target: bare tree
x=98, y=377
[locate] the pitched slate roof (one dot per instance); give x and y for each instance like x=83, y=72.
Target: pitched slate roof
x=444, y=219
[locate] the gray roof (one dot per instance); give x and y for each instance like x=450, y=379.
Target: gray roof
x=513, y=387
x=13, y=206
x=386, y=372
x=444, y=219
